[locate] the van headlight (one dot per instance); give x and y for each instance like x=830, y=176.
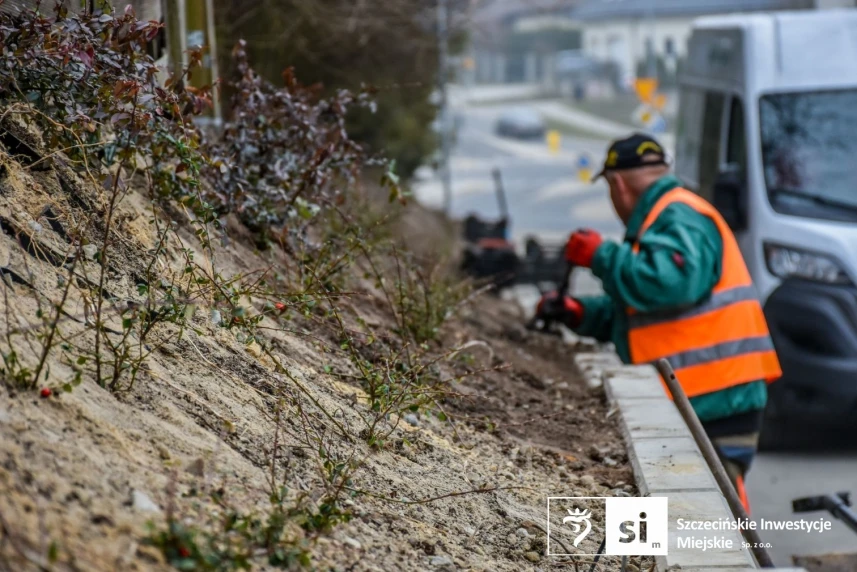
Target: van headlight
x=787, y=262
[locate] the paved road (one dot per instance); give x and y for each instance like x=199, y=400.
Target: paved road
x=547, y=199
x=776, y=479
x=544, y=192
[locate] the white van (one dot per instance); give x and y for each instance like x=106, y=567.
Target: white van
x=767, y=132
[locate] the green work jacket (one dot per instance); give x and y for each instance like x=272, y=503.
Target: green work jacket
x=652, y=281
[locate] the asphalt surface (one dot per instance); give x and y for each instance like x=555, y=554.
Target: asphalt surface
x=547, y=199
x=545, y=194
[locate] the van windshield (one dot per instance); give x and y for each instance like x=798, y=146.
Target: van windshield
x=809, y=153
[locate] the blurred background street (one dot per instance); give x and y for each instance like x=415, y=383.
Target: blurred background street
x=549, y=195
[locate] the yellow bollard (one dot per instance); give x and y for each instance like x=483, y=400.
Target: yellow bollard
x=554, y=141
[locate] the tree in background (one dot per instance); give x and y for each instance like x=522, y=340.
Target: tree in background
x=390, y=46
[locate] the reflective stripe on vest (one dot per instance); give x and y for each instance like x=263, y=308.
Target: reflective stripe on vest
x=721, y=351
x=715, y=302
x=721, y=342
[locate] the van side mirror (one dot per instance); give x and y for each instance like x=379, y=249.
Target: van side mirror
x=730, y=198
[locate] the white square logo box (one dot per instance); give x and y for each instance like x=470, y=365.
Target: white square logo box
x=637, y=526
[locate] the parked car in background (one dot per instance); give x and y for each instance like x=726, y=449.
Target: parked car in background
x=521, y=123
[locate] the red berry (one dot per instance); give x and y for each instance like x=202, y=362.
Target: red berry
x=184, y=552
x=280, y=306
x=46, y=392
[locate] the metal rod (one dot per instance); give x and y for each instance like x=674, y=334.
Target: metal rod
x=598, y=555
x=566, y=281
x=841, y=511
x=651, y=58
x=501, y=193
x=176, y=35
x=713, y=459
x=837, y=505
x=443, y=86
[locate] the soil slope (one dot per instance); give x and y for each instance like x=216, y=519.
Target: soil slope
x=213, y=425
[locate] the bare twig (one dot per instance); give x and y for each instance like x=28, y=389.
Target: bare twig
x=437, y=498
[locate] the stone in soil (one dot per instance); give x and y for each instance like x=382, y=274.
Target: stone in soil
x=141, y=501
x=440, y=561
x=532, y=556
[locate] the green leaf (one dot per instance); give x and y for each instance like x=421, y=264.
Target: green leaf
x=53, y=552
x=67, y=388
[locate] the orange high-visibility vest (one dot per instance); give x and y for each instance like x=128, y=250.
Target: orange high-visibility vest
x=721, y=342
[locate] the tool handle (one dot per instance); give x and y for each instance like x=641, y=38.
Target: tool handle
x=838, y=505
x=566, y=281
x=541, y=325
x=711, y=457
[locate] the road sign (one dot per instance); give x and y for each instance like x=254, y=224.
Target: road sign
x=649, y=117
x=645, y=88
x=584, y=171
x=554, y=141
x=658, y=124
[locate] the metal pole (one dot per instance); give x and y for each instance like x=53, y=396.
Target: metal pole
x=837, y=505
x=176, y=35
x=501, y=194
x=713, y=459
x=211, y=32
x=651, y=60
x=443, y=80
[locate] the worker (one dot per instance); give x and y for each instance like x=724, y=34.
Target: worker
x=678, y=288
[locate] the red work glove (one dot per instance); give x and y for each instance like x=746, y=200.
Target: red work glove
x=566, y=310
x=581, y=247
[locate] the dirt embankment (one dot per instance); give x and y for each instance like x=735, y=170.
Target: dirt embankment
x=226, y=450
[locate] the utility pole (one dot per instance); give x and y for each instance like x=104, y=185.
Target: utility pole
x=201, y=33
x=651, y=58
x=174, y=17
x=443, y=82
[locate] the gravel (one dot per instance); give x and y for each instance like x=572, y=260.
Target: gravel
x=141, y=501
x=440, y=561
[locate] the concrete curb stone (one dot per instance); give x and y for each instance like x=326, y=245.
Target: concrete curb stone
x=666, y=461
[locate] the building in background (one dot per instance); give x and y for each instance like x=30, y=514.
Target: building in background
x=649, y=37
x=516, y=41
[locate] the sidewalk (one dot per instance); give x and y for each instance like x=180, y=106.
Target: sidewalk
x=486, y=94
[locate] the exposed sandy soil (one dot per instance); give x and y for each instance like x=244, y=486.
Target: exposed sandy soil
x=82, y=473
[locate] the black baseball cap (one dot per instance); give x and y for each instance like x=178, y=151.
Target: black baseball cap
x=628, y=153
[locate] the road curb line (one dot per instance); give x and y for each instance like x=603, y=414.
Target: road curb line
x=667, y=462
